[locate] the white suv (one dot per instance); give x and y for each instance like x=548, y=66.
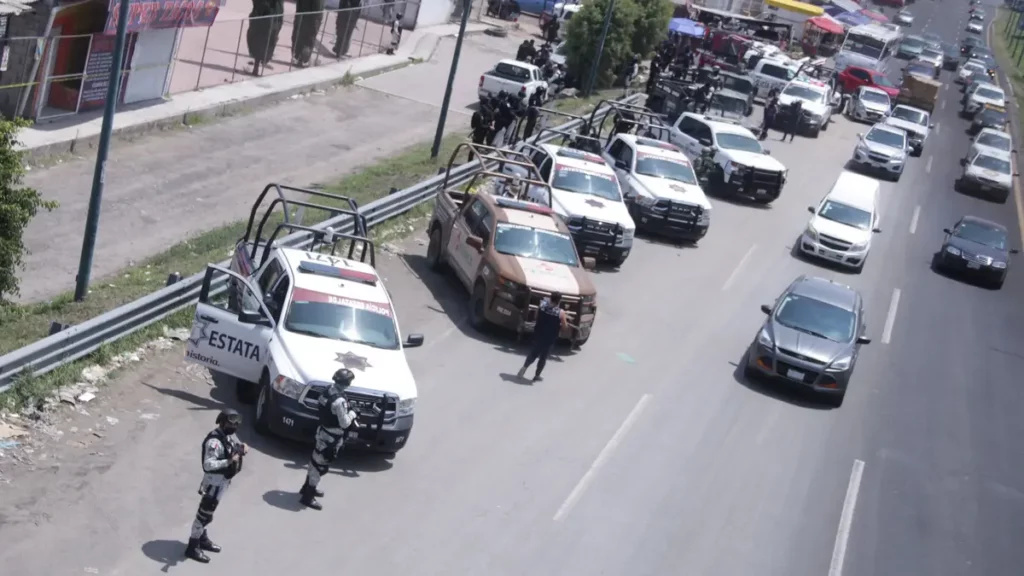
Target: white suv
x=816, y=97
x=742, y=166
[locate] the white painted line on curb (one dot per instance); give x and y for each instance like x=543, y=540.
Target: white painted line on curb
x=739, y=266
x=846, y=519
x=890, y=319
x=913, y=219
x=928, y=166
x=602, y=459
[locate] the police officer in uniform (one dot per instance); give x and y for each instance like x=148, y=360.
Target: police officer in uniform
x=336, y=416
x=222, y=460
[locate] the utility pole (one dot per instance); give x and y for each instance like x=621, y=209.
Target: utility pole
x=92, y=219
x=600, y=49
x=436, y=148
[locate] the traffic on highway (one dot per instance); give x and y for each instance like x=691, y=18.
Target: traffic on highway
x=781, y=357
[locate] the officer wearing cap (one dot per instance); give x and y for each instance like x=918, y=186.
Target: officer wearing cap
x=336, y=416
x=222, y=460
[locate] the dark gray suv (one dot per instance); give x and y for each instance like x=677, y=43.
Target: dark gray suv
x=812, y=337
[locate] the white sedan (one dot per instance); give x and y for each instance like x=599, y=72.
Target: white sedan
x=870, y=104
x=974, y=27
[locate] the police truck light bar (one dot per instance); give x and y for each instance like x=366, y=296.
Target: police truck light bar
x=580, y=155
x=513, y=204
x=339, y=273
x=658, y=144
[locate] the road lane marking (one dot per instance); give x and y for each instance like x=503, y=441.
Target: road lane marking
x=1017, y=201
x=946, y=88
x=602, y=459
x=928, y=166
x=913, y=219
x=938, y=127
x=890, y=319
x=943, y=105
x=739, y=266
x=1009, y=88
x=846, y=519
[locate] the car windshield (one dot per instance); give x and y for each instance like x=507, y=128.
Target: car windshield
x=862, y=48
x=885, y=137
x=951, y=50
x=659, y=167
x=817, y=318
x=929, y=53
x=876, y=97
x=994, y=117
x=592, y=183
x=981, y=234
x=986, y=162
x=993, y=140
x=528, y=242
x=913, y=43
x=804, y=93
x=909, y=115
x=739, y=142
x=989, y=93
x=881, y=80
x=845, y=214
x=338, y=318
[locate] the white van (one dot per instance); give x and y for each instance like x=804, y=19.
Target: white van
x=842, y=225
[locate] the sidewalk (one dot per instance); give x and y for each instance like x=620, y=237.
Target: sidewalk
x=60, y=137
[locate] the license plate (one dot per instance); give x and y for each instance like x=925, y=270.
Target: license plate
x=795, y=374
x=974, y=265
x=985, y=188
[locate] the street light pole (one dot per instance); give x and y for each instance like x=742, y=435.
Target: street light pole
x=600, y=49
x=92, y=219
x=436, y=148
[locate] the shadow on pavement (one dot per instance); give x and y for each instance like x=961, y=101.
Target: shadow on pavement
x=780, y=391
x=167, y=552
x=288, y=501
x=513, y=379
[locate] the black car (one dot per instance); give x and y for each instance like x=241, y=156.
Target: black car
x=950, y=56
x=977, y=14
x=989, y=117
x=978, y=249
x=921, y=68
x=968, y=44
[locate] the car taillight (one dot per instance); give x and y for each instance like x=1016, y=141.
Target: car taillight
x=522, y=91
x=481, y=85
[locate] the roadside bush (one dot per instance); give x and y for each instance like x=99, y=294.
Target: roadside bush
x=18, y=205
x=637, y=27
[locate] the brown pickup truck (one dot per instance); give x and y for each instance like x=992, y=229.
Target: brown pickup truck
x=919, y=92
x=509, y=252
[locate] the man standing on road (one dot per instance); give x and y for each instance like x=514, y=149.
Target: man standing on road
x=550, y=321
x=532, y=114
x=335, y=417
x=222, y=459
x=796, y=109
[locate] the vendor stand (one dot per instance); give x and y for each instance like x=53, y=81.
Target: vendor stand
x=822, y=36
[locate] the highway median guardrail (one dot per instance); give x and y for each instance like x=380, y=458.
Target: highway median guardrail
x=77, y=342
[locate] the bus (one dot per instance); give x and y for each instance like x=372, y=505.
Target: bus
x=869, y=46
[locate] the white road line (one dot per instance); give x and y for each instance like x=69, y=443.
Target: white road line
x=846, y=519
x=913, y=219
x=946, y=88
x=1009, y=88
x=943, y=105
x=890, y=319
x=736, y=271
x=938, y=127
x=602, y=459
x=928, y=166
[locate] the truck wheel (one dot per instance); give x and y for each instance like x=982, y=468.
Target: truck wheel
x=824, y=125
x=477, y=303
x=262, y=421
x=245, y=391
x=815, y=132
x=434, y=250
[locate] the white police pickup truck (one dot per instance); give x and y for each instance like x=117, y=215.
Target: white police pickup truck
x=282, y=321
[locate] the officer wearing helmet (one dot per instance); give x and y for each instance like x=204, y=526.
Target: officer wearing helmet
x=222, y=460
x=336, y=416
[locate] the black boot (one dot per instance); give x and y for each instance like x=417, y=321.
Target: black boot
x=206, y=544
x=195, y=553
x=308, y=498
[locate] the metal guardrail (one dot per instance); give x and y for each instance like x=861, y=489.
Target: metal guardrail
x=81, y=340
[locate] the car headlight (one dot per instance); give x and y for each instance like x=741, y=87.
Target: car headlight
x=953, y=250
x=898, y=157
x=588, y=299
x=705, y=217
x=841, y=364
x=998, y=264
x=861, y=149
x=812, y=232
x=574, y=222
x=627, y=234
x=406, y=407
x=287, y=387
x=816, y=117
x=785, y=174
x=765, y=339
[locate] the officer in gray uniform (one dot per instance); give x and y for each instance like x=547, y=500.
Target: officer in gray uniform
x=336, y=416
x=222, y=460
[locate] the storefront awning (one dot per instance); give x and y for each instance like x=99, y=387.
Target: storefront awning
x=874, y=15
x=686, y=27
x=798, y=7
x=827, y=24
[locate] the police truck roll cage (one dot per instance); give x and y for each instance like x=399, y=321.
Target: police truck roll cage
x=573, y=140
x=653, y=124
x=492, y=164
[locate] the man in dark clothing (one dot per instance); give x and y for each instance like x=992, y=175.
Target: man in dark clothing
x=796, y=109
x=553, y=30
x=521, y=52
x=532, y=114
x=504, y=118
x=494, y=104
x=531, y=51
x=481, y=124
x=652, y=79
x=770, y=110
x=701, y=98
x=550, y=321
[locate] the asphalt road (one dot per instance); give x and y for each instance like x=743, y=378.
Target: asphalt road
x=644, y=454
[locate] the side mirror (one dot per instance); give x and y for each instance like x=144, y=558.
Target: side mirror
x=931, y=126
x=255, y=318
x=876, y=230
x=413, y=341
x=1015, y=174
x=863, y=340
x=589, y=263
x=810, y=209
x=860, y=135
x=766, y=309
x=1014, y=151
x=475, y=242
x=947, y=230
x=767, y=152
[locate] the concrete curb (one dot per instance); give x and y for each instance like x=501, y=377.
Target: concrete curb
x=424, y=50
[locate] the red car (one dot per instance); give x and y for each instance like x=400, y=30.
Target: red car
x=855, y=76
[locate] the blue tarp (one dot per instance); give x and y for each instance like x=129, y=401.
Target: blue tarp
x=851, y=19
x=686, y=27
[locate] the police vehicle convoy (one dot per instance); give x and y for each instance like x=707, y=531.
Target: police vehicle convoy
x=288, y=319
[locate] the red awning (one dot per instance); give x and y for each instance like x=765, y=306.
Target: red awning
x=827, y=24
x=874, y=15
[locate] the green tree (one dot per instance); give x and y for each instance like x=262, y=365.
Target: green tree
x=583, y=36
x=18, y=205
x=651, y=26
